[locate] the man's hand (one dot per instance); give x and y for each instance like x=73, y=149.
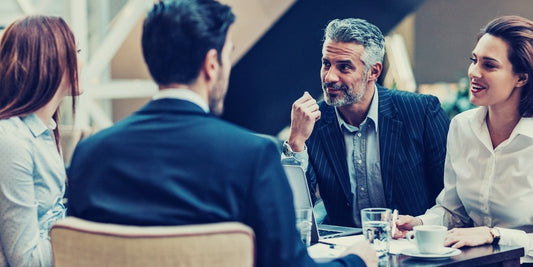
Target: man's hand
x=304, y=114
x=364, y=251
x=471, y=237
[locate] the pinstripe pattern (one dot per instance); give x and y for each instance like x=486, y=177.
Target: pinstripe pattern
x=412, y=137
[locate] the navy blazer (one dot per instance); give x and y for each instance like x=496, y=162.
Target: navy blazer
x=412, y=141
x=170, y=163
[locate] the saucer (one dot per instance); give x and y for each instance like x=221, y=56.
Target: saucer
x=446, y=252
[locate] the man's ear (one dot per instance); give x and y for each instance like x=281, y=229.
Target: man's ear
x=522, y=79
x=374, y=72
x=211, y=65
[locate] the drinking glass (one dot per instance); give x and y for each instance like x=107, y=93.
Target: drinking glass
x=304, y=224
x=376, y=228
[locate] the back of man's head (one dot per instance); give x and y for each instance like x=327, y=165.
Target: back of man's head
x=177, y=34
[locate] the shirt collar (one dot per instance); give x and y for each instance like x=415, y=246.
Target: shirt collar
x=372, y=113
x=36, y=125
x=480, y=115
x=183, y=94
x=524, y=126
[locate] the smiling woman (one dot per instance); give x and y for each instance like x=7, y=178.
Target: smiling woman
x=488, y=173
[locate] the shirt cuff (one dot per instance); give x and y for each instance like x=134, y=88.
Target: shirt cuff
x=301, y=157
x=513, y=237
x=431, y=218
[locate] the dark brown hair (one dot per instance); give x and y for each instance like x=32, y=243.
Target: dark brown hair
x=517, y=32
x=178, y=34
x=35, y=53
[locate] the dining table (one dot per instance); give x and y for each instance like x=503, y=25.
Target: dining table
x=485, y=255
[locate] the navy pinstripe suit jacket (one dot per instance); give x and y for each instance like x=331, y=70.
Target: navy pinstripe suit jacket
x=412, y=138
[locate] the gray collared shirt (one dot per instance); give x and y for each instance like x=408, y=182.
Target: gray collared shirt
x=364, y=167
x=362, y=155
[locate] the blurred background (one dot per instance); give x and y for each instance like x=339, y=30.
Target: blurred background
x=278, y=52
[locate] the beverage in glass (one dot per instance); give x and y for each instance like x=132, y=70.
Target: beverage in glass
x=303, y=224
x=377, y=228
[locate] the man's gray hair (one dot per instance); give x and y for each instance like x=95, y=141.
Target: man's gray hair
x=358, y=31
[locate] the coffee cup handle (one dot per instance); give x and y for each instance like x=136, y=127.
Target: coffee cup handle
x=410, y=236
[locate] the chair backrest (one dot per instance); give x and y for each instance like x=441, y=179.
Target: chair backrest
x=77, y=242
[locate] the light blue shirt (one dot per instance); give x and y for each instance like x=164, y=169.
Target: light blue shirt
x=32, y=186
x=362, y=156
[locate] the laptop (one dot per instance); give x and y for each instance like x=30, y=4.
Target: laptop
x=302, y=199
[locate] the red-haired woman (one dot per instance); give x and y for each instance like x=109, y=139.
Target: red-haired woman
x=38, y=68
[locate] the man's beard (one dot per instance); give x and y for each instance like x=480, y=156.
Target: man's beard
x=349, y=97
x=216, y=98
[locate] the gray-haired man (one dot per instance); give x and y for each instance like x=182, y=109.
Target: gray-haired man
x=365, y=145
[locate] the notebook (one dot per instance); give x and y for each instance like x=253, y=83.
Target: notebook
x=302, y=199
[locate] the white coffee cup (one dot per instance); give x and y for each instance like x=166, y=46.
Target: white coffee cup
x=429, y=239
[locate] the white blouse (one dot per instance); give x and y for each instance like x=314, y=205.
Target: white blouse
x=486, y=186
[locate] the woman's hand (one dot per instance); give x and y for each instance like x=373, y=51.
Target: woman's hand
x=404, y=224
x=473, y=236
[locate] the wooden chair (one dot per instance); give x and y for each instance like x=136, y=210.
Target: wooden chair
x=77, y=242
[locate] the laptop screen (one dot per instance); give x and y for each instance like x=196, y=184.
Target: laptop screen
x=298, y=183
x=300, y=191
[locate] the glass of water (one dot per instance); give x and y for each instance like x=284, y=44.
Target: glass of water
x=377, y=228
x=304, y=224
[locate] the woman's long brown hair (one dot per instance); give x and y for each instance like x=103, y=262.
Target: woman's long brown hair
x=35, y=53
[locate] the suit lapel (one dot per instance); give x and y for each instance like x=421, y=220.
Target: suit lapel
x=389, y=139
x=333, y=145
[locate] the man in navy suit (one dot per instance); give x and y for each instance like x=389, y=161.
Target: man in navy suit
x=174, y=163
x=364, y=145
